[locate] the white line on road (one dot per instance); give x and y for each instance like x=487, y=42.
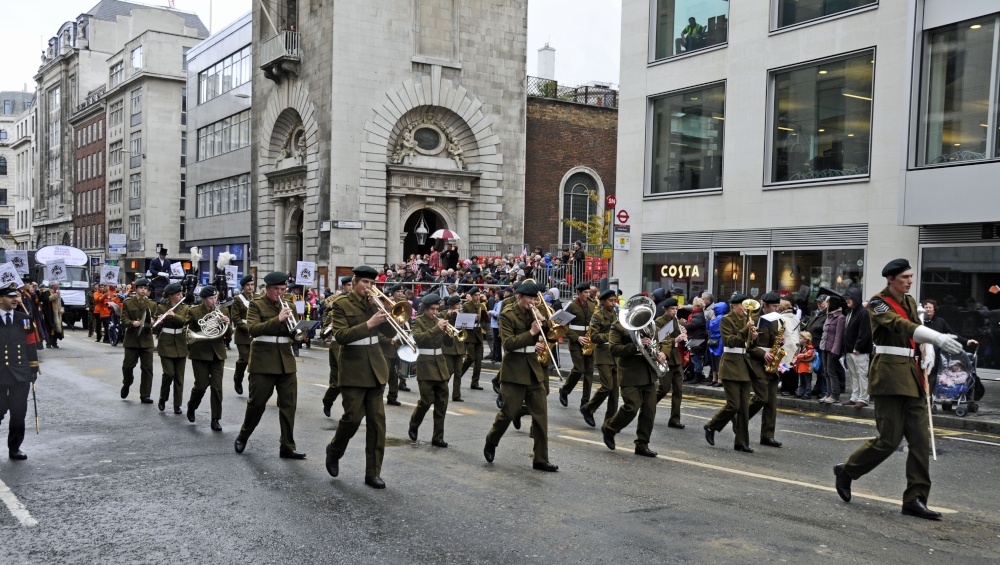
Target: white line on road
x=973, y=440
x=16, y=508
x=765, y=477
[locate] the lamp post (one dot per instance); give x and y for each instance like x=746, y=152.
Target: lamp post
x=421, y=231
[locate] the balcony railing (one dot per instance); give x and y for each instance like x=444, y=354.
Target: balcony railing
x=590, y=95
x=279, y=50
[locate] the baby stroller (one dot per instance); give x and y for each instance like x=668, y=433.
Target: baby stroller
x=114, y=324
x=958, y=385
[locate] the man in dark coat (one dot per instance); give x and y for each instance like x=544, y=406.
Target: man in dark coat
x=19, y=368
x=158, y=273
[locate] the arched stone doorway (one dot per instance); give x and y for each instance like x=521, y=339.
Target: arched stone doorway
x=434, y=222
x=295, y=237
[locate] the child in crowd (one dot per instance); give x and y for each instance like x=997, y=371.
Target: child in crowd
x=951, y=381
x=803, y=364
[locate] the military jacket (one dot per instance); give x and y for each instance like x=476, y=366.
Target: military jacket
x=767, y=333
x=600, y=328
x=327, y=317
x=385, y=342
x=133, y=309
x=238, y=317
x=210, y=349
x=893, y=374
x=475, y=307
x=269, y=357
x=20, y=355
x=633, y=369
x=734, y=366
x=520, y=362
x=360, y=364
x=431, y=365
x=452, y=346
x=578, y=326
x=169, y=343
x=668, y=345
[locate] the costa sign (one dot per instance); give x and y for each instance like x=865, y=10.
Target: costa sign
x=680, y=271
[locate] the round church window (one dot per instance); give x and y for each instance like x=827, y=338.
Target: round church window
x=430, y=140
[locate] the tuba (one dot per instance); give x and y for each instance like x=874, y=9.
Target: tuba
x=212, y=326
x=637, y=316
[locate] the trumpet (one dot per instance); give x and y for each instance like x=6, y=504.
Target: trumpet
x=394, y=311
x=291, y=321
x=451, y=330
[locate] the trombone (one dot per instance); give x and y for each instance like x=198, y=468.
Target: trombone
x=397, y=314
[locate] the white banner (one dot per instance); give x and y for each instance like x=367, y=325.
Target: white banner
x=109, y=274
x=8, y=274
x=232, y=276
x=55, y=270
x=305, y=273
x=19, y=258
x=177, y=270
x=116, y=244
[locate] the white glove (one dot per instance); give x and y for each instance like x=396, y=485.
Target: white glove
x=927, y=357
x=162, y=273
x=945, y=342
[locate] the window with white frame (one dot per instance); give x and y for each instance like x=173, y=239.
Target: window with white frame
x=134, y=227
x=115, y=153
x=794, y=12
x=581, y=201
x=227, y=74
x=115, y=192
x=228, y=134
x=116, y=74
x=135, y=144
x=55, y=123
x=687, y=140
x=137, y=59
x=116, y=114
x=820, y=123
x=135, y=108
x=223, y=196
x=134, y=192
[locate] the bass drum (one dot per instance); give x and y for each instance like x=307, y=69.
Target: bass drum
x=406, y=354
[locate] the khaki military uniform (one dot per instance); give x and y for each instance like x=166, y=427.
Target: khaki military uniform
x=672, y=381
x=333, y=390
x=238, y=317
x=208, y=359
x=392, y=360
x=474, y=342
x=138, y=342
x=363, y=374
x=583, y=365
x=432, y=374
x=171, y=346
x=638, y=387
x=897, y=388
x=523, y=380
x=607, y=368
x=764, y=385
x=734, y=371
x=271, y=368
x=454, y=354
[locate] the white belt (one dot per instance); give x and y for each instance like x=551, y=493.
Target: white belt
x=738, y=350
x=523, y=350
x=172, y=331
x=244, y=321
x=365, y=341
x=271, y=339
x=429, y=352
x=890, y=350
x=578, y=328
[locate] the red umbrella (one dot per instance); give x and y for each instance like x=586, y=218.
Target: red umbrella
x=444, y=234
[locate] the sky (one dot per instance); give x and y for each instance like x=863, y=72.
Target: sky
x=585, y=33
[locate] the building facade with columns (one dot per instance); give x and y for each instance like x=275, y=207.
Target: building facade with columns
x=372, y=119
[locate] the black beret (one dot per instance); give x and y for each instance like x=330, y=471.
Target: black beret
x=771, y=298
x=346, y=279
x=365, y=272
x=516, y=285
x=454, y=299
x=172, y=288
x=430, y=299
x=474, y=290
x=582, y=287
x=608, y=294
x=246, y=279
x=275, y=278
x=208, y=290
x=11, y=290
x=737, y=298
x=394, y=288
x=509, y=289
x=528, y=288
x=141, y=282
x=670, y=302
x=894, y=267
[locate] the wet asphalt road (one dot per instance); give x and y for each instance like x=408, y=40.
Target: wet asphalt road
x=113, y=481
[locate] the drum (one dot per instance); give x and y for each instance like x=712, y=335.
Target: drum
x=405, y=353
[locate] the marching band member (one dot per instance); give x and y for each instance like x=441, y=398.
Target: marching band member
x=238, y=313
x=512, y=299
x=737, y=329
x=523, y=377
x=583, y=365
x=208, y=357
x=171, y=345
x=333, y=391
x=607, y=369
x=763, y=384
x=638, y=390
x=432, y=369
x=272, y=365
x=454, y=350
x=136, y=321
x=357, y=323
x=672, y=381
x=389, y=345
x=19, y=369
x=474, y=341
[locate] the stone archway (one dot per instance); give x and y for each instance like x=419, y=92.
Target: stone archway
x=434, y=222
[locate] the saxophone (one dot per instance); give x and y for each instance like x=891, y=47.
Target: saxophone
x=777, y=351
x=591, y=346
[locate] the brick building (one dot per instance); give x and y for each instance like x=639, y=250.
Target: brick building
x=89, y=173
x=571, y=152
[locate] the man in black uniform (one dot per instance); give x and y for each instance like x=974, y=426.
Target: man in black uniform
x=159, y=272
x=19, y=369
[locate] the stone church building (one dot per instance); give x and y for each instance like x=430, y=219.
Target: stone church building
x=374, y=120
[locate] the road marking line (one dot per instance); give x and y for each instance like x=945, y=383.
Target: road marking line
x=16, y=508
x=414, y=405
x=319, y=385
x=762, y=476
x=973, y=440
x=829, y=437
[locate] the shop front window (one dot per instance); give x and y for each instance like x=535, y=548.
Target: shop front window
x=800, y=273
x=959, y=278
x=685, y=271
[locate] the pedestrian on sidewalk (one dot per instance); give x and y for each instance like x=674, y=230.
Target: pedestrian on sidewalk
x=804, y=358
x=857, y=349
x=832, y=345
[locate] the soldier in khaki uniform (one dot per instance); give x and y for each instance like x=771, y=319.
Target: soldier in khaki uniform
x=432, y=369
x=238, y=312
x=638, y=390
x=734, y=371
x=898, y=387
x=763, y=384
x=171, y=345
x=208, y=357
x=600, y=329
x=357, y=323
x=272, y=365
x=454, y=350
x=576, y=336
x=474, y=341
x=389, y=345
x=672, y=381
x=137, y=321
x=333, y=391
x=523, y=377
